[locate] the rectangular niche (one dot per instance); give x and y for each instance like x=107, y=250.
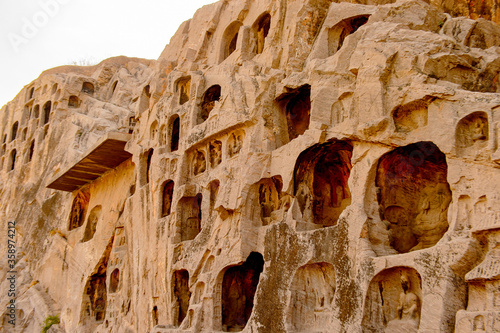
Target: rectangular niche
x=190, y=216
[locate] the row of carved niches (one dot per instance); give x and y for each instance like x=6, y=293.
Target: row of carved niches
x=393, y=301
x=311, y=298
x=483, y=306
x=476, y=214
x=413, y=196
x=472, y=133
x=234, y=143
x=320, y=183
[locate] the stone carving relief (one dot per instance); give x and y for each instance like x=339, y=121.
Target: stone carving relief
x=92, y=220
x=311, y=301
x=472, y=130
x=215, y=149
x=414, y=195
x=235, y=143
x=393, y=301
x=238, y=291
x=181, y=296
x=190, y=214
x=199, y=162
x=320, y=178
x=78, y=209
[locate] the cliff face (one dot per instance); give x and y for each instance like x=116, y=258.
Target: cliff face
x=284, y=166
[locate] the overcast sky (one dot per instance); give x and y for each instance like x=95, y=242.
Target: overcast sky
x=40, y=34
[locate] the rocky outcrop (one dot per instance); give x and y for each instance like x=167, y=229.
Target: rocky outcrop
x=284, y=166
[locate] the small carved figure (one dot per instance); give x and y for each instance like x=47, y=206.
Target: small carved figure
x=199, y=163
x=215, y=153
x=235, y=144
x=431, y=222
x=408, y=318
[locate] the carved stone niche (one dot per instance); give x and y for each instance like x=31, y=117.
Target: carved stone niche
x=414, y=195
x=199, y=162
x=320, y=182
x=92, y=220
x=78, y=209
x=472, y=131
x=183, y=88
x=338, y=33
x=94, y=300
x=235, y=143
x=181, y=295
x=260, y=30
x=215, y=150
x=211, y=96
x=311, y=298
x=393, y=302
x=411, y=116
x=271, y=202
x=189, y=209
x=483, y=306
x=239, y=285
x=295, y=106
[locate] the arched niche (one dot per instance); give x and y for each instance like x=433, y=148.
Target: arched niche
x=211, y=96
x=260, y=30
x=472, y=130
x=266, y=201
x=31, y=150
x=183, y=88
x=393, y=301
x=414, y=195
x=92, y=220
x=114, y=281
x=235, y=143
x=88, y=88
x=321, y=182
x=167, y=195
x=190, y=216
x=78, y=209
x=215, y=150
x=174, y=130
x=181, y=295
x=147, y=166
x=36, y=111
x=144, y=99
x=73, y=101
x=239, y=285
x=154, y=315
x=411, y=116
x=230, y=40
x=13, y=133
x=12, y=159
x=153, y=131
x=46, y=112
x=213, y=187
x=199, y=162
x=311, y=298
x=338, y=33
x=295, y=112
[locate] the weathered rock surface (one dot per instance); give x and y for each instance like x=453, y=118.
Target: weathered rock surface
x=284, y=166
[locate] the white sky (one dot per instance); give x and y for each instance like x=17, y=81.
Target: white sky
x=36, y=35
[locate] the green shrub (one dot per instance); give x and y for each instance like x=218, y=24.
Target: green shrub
x=49, y=321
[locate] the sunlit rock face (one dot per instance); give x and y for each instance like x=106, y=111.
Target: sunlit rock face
x=300, y=166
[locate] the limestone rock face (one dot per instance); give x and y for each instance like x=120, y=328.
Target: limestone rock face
x=284, y=166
